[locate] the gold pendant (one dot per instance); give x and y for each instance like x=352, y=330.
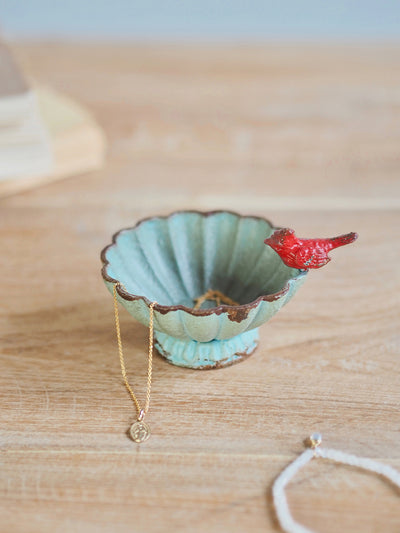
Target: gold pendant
x=139, y=431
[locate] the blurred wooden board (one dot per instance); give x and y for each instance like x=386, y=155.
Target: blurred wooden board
x=77, y=142
x=318, y=148
x=12, y=81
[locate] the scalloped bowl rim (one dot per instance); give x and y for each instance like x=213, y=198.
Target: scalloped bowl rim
x=164, y=309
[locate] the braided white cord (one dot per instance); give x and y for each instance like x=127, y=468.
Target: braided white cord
x=282, y=510
x=279, y=497
x=361, y=462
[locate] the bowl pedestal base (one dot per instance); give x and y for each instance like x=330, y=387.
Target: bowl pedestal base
x=206, y=355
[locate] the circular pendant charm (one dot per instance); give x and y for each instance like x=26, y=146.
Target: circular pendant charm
x=139, y=431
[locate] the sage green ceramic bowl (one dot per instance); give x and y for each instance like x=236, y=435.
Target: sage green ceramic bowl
x=174, y=259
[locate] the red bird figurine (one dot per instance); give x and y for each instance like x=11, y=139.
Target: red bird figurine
x=305, y=253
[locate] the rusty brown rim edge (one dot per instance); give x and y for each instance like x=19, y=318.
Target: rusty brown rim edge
x=196, y=312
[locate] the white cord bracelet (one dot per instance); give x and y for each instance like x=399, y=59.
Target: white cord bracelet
x=282, y=510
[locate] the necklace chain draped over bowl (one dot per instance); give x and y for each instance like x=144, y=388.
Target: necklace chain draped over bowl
x=139, y=430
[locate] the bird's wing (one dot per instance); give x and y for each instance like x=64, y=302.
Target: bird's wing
x=311, y=258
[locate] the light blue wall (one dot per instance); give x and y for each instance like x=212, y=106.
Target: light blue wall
x=202, y=19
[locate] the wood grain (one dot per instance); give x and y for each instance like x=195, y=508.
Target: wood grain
x=308, y=137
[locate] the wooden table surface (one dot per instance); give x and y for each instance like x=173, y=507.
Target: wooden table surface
x=306, y=135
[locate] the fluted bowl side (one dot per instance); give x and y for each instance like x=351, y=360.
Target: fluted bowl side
x=175, y=259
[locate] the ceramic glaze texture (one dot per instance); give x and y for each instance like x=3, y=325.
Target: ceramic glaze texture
x=175, y=259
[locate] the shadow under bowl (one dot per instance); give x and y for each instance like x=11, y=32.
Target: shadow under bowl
x=175, y=259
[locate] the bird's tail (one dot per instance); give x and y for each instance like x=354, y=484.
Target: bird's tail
x=343, y=239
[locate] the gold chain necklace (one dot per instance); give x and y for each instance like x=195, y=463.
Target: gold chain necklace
x=139, y=430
